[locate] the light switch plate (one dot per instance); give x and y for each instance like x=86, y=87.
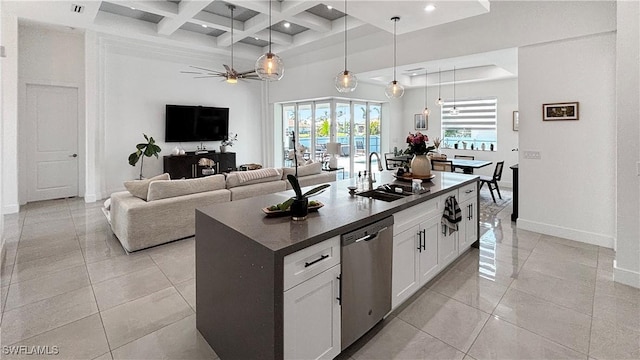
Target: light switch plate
x=532, y=154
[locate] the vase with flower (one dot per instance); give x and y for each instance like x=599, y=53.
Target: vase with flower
x=418, y=147
x=228, y=142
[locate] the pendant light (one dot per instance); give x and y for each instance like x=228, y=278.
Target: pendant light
x=394, y=90
x=232, y=78
x=454, y=111
x=269, y=66
x=439, y=102
x=426, y=110
x=345, y=81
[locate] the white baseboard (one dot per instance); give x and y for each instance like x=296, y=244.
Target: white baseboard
x=10, y=209
x=624, y=276
x=566, y=233
x=89, y=198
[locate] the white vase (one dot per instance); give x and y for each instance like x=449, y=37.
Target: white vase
x=420, y=165
x=223, y=149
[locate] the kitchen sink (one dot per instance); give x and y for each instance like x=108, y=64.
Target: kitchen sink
x=381, y=195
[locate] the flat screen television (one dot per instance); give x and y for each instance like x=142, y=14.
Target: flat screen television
x=196, y=123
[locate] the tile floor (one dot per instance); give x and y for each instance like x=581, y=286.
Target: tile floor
x=66, y=282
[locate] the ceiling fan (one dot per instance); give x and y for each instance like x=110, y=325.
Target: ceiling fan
x=230, y=75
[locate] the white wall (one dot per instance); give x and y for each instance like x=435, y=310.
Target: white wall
x=1, y=168
x=627, y=264
x=138, y=81
x=570, y=191
x=52, y=57
x=507, y=93
x=10, y=115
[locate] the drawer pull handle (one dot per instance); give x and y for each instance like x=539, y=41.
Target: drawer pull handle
x=307, y=264
x=420, y=241
x=468, y=191
x=339, y=298
x=424, y=239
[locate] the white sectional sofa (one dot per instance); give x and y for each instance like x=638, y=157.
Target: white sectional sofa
x=157, y=210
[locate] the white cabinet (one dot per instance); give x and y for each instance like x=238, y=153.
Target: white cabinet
x=312, y=317
x=468, y=227
x=415, y=251
x=311, y=308
x=469, y=224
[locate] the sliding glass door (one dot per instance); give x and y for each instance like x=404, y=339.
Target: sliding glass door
x=353, y=124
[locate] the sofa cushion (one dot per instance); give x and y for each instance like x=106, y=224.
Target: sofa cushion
x=140, y=188
x=162, y=189
x=243, y=192
x=304, y=170
x=233, y=179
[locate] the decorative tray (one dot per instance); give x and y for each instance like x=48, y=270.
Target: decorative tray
x=276, y=213
x=409, y=177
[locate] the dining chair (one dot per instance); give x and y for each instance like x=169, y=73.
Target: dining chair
x=360, y=147
x=390, y=163
x=464, y=169
x=442, y=165
x=497, y=175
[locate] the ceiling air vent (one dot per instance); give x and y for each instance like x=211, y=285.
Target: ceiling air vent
x=78, y=9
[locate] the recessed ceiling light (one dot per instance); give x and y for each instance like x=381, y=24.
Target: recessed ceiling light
x=132, y=8
x=257, y=38
x=204, y=26
x=329, y=7
x=287, y=25
x=430, y=7
x=414, y=74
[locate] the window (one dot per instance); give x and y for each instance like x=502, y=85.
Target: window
x=355, y=125
x=476, y=123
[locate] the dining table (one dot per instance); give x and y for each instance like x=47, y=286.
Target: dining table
x=466, y=165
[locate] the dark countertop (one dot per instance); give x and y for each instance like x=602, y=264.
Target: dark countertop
x=341, y=212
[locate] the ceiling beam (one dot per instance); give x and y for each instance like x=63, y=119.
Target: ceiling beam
x=307, y=37
x=91, y=9
x=162, y=8
x=310, y=21
x=187, y=9
x=216, y=21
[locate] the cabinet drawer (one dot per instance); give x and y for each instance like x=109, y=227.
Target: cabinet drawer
x=405, y=219
x=468, y=192
x=311, y=261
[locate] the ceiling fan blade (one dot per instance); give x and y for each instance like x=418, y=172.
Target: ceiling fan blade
x=206, y=76
x=190, y=72
x=229, y=70
x=250, y=72
x=201, y=68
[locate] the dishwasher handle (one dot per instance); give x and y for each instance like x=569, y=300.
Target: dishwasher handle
x=371, y=236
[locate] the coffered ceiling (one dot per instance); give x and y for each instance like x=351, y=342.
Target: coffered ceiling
x=206, y=24
x=296, y=26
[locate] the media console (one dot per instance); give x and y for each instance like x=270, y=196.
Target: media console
x=186, y=166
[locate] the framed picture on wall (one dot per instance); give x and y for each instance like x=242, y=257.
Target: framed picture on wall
x=420, y=122
x=560, y=111
x=515, y=120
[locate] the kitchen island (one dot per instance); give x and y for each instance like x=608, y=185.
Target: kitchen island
x=248, y=265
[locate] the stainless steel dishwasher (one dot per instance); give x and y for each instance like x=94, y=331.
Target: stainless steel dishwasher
x=366, y=278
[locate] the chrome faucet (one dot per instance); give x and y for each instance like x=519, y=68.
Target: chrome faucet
x=371, y=180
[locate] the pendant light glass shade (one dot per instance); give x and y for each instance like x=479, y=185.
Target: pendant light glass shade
x=439, y=101
x=394, y=90
x=269, y=66
x=345, y=81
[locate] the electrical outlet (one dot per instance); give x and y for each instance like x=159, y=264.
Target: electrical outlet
x=533, y=155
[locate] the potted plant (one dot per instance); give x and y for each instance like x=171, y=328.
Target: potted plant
x=147, y=149
x=228, y=142
x=300, y=203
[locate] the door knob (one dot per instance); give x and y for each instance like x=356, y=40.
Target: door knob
x=74, y=155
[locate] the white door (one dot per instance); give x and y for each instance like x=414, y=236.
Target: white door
x=52, y=148
x=312, y=317
x=429, y=255
x=405, y=274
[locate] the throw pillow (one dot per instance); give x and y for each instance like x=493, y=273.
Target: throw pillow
x=140, y=188
x=305, y=170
